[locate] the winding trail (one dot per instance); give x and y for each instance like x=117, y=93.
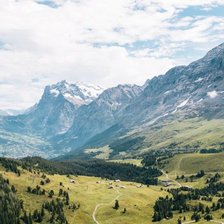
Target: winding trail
x=180, y=185
x=173, y=180
x=101, y=204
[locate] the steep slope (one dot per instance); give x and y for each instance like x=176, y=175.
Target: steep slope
x=98, y=116
x=183, y=93
x=129, y=118
x=56, y=110
x=194, y=90
x=52, y=115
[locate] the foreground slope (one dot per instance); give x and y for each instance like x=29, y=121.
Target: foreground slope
x=89, y=194
x=91, y=199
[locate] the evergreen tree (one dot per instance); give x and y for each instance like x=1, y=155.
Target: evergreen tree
x=116, y=205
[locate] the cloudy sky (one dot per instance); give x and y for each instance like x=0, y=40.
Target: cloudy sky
x=103, y=42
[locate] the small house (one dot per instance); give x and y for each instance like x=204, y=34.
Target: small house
x=72, y=181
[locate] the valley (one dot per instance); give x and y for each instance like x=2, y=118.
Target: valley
x=111, y=112
x=179, y=110
x=91, y=199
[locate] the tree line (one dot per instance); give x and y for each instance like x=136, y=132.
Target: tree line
x=180, y=198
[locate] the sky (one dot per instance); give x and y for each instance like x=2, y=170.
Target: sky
x=103, y=42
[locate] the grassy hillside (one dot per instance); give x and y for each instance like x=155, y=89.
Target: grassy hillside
x=192, y=163
x=88, y=192
x=189, y=134
x=96, y=196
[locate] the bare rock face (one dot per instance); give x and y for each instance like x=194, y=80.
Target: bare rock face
x=70, y=116
x=55, y=112
x=99, y=115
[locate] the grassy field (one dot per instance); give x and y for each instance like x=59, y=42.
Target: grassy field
x=174, y=134
x=102, y=152
x=196, y=133
x=192, y=163
x=187, y=133
x=90, y=191
x=93, y=193
x=136, y=162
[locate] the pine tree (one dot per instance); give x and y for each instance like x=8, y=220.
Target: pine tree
x=116, y=205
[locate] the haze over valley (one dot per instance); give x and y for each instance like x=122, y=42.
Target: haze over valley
x=111, y=112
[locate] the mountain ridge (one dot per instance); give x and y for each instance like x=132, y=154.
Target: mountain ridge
x=184, y=92
x=72, y=117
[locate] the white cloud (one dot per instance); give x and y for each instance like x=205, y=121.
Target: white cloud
x=95, y=41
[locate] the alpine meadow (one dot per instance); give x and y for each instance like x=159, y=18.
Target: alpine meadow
x=111, y=111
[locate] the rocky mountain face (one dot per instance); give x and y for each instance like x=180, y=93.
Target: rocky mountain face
x=99, y=115
x=56, y=111
x=184, y=92
x=53, y=115
x=187, y=91
x=75, y=116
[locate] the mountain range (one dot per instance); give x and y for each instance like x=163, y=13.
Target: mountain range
x=182, y=109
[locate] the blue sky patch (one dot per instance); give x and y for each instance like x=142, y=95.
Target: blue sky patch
x=49, y=3
x=199, y=11
x=2, y=44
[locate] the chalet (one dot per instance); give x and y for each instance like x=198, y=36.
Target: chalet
x=167, y=183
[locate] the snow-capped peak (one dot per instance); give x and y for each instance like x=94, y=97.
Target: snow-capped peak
x=78, y=93
x=90, y=90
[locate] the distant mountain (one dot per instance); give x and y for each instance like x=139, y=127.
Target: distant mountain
x=56, y=110
x=3, y=113
x=77, y=94
x=99, y=115
x=184, y=93
x=52, y=115
x=183, y=109
x=188, y=91
x=11, y=112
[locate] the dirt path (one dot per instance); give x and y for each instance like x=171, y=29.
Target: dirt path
x=173, y=180
x=178, y=165
x=101, y=204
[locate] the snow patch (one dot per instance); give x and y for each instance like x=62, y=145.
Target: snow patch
x=209, y=85
x=54, y=92
x=167, y=92
x=181, y=105
x=199, y=80
x=90, y=90
x=212, y=94
x=77, y=93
